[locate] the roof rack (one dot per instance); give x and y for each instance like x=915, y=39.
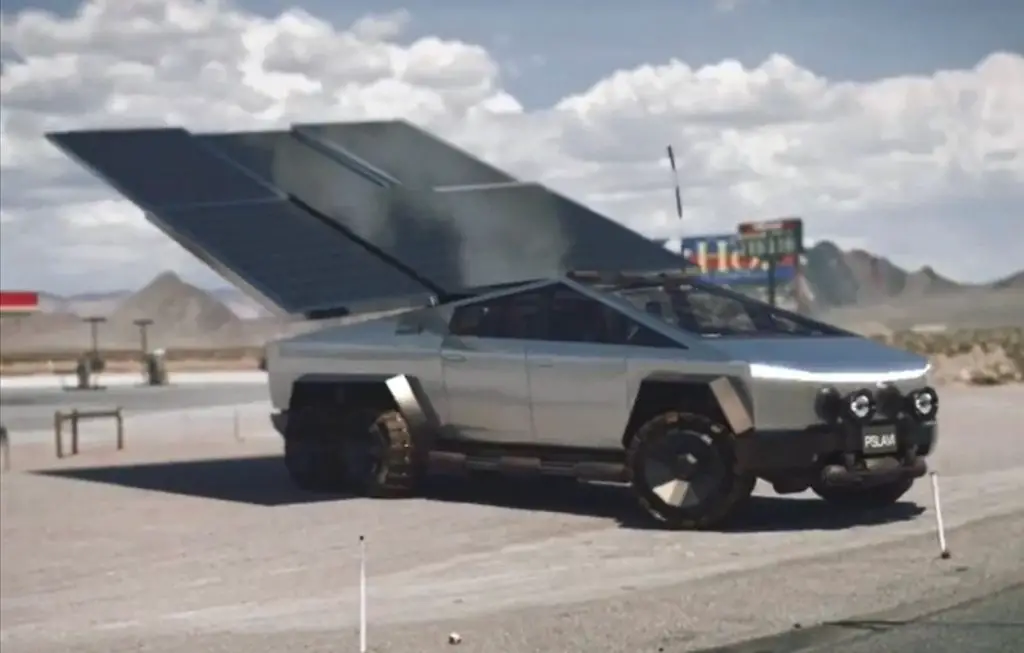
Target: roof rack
x=618, y=277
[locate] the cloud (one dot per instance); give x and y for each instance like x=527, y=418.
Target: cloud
x=914, y=167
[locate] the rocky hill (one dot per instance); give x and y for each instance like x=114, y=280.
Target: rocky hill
x=856, y=277
x=853, y=288
x=183, y=316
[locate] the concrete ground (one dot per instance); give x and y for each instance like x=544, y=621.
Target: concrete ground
x=198, y=543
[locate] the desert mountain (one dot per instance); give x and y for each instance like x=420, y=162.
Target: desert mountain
x=183, y=316
x=839, y=278
x=852, y=288
x=1014, y=281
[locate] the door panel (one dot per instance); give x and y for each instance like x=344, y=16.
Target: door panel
x=579, y=393
x=486, y=384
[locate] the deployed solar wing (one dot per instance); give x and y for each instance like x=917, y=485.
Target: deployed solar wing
x=404, y=153
x=311, y=228
x=289, y=257
x=483, y=236
x=161, y=167
x=457, y=239
x=240, y=225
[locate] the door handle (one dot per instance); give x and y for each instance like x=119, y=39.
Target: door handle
x=454, y=358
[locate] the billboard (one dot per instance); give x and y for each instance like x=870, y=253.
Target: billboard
x=720, y=260
x=15, y=302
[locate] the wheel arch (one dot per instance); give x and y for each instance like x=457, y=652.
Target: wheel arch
x=401, y=392
x=724, y=399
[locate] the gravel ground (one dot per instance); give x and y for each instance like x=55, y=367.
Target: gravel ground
x=212, y=551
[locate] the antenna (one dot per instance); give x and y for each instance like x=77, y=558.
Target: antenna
x=675, y=179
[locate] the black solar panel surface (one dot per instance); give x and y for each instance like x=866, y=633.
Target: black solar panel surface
x=162, y=167
x=222, y=197
x=471, y=238
x=288, y=256
x=455, y=239
x=414, y=157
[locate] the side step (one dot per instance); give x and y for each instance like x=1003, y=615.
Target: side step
x=451, y=462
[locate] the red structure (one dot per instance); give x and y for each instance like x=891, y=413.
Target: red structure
x=18, y=302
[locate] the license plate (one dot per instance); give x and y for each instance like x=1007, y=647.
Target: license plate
x=880, y=441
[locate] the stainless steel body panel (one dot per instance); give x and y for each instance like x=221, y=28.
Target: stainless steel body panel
x=786, y=375
x=579, y=393
x=488, y=394
x=370, y=347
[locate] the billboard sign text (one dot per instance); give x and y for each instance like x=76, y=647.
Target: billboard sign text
x=720, y=259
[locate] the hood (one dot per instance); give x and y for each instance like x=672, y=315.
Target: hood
x=789, y=357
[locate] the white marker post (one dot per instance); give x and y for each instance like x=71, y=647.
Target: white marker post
x=943, y=550
x=362, y=594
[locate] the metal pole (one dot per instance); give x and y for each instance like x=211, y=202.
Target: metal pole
x=362, y=594
x=74, y=432
x=94, y=329
x=143, y=325
x=940, y=527
x=771, y=280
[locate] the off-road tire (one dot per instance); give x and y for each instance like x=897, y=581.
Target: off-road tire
x=862, y=499
x=312, y=454
x=396, y=469
x=732, y=486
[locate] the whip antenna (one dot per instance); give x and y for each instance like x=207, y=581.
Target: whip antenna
x=675, y=180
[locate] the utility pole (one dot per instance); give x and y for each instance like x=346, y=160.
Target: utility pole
x=94, y=328
x=143, y=324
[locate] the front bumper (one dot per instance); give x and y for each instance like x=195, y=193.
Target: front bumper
x=835, y=456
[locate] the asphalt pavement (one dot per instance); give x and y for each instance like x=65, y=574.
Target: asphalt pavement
x=991, y=624
x=33, y=408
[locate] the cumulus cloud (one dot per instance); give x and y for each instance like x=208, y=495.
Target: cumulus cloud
x=913, y=167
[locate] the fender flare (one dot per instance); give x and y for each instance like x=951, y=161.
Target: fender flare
x=731, y=394
x=405, y=390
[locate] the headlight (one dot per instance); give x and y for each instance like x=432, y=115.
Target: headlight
x=924, y=403
x=860, y=405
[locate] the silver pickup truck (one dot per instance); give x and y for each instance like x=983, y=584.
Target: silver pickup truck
x=685, y=391
x=508, y=363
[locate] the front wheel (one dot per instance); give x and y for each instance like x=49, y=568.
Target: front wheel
x=871, y=498
x=683, y=471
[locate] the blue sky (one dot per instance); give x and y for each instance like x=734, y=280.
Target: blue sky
x=580, y=41
x=548, y=51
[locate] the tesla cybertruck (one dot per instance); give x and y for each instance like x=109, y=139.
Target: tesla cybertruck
x=530, y=335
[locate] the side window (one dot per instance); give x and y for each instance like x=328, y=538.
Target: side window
x=516, y=316
x=573, y=317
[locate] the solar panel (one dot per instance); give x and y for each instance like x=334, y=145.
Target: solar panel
x=456, y=239
x=479, y=237
x=311, y=227
x=288, y=257
x=161, y=167
x=406, y=153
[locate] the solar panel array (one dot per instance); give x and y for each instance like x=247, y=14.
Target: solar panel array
x=295, y=260
x=406, y=153
x=325, y=218
x=162, y=167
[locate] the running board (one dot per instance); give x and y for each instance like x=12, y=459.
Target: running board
x=449, y=462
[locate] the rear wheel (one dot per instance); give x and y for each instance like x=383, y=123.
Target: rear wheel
x=366, y=452
x=683, y=471
x=378, y=454
x=312, y=454
x=871, y=498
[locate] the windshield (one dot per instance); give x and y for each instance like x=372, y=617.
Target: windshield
x=713, y=311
